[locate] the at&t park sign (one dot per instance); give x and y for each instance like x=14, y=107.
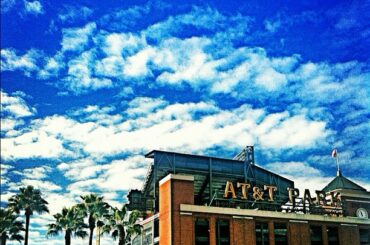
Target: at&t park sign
x=267, y=193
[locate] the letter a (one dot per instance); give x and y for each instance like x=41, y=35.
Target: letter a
x=229, y=189
x=307, y=197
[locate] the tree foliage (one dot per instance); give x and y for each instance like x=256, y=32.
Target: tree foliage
x=95, y=209
x=122, y=225
x=30, y=201
x=71, y=221
x=10, y=227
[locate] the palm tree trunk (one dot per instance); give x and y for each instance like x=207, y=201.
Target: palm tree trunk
x=28, y=215
x=122, y=237
x=91, y=235
x=98, y=235
x=91, y=227
x=3, y=239
x=67, y=237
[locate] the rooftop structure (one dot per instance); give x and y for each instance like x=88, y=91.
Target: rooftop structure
x=191, y=199
x=342, y=183
x=210, y=176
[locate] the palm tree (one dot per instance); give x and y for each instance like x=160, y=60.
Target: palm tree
x=120, y=226
x=9, y=226
x=71, y=220
x=95, y=208
x=29, y=200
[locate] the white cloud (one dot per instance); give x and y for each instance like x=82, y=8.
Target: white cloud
x=153, y=123
x=43, y=185
x=70, y=13
x=123, y=19
x=4, y=177
x=294, y=132
x=144, y=105
x=296, y=169
x=13, y=109
x=10, y=61
x=186, y=60
x=101, y=115
x=81, y=169
x=5, y=195
x=271, y=79
x=5, y=168
x=31, y=145
x=119, y=175
x=34, y=7
x=111, y=66
x=191, y=61
x=131, y=170
x=15, y=106
x=76, y=39
x=137, y=64
x=52, y=66
x=37, y=173
x=117, y=44
x=174, y=127
x=80, y=75
x=57, y=201
x=173, y=61
x=200, y=18
x=7, y=125
x=256, y=71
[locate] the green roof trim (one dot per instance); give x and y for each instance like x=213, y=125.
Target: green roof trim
x=341, y=182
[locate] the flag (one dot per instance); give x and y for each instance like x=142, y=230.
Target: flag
x=334, y=153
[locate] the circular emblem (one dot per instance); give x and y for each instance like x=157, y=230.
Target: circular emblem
x=362, y=213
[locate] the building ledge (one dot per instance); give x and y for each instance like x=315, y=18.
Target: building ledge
x=271, y=214
x=176, y=177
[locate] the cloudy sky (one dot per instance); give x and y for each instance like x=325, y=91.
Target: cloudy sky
x=88, y=88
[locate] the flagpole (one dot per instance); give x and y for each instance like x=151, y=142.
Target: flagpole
x=335, y=155
x=337, y=160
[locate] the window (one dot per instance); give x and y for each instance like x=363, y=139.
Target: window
x=156, y=228
x=280, y=232
x=364, y=236
x=316, y=234
x=262, y=233
x=222, y=232
x=147, y=236
x=201, y=231
x=333, y=236
x=136, y=240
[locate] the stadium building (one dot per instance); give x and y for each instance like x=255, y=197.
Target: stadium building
x=200, y=200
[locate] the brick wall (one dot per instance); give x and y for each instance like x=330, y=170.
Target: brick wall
x=173, y=191
x=165, y=213
x=177, y=228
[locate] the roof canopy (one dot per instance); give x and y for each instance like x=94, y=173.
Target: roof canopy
x=342, y=183
x=210, y=175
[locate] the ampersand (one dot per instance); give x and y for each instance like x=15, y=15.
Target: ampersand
x=257, y=193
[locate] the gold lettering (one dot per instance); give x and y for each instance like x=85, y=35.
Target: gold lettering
x=244, y=187
x=320, y=198
x=293, y=194
x=271, y=190
x=229, y=189
x=335, y=199
x=257, y=193
x=307, y=197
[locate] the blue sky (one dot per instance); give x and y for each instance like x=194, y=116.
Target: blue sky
x=87, y=88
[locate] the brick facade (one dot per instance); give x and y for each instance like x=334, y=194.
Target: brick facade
x=177, y=224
